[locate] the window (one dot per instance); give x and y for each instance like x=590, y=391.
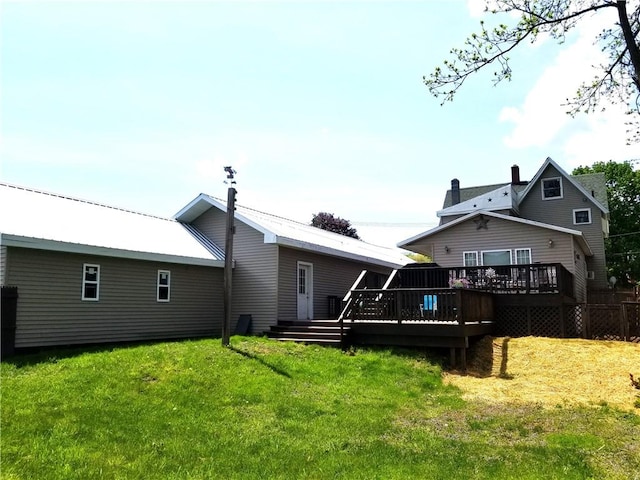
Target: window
x=496, y=257
x=551, y=188
x=91, y=282
x=164, y=285
x=522, y=256
x=581, y=215
x=470, y=259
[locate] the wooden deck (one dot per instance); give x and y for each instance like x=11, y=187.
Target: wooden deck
x=419, y=306
x=429, y=317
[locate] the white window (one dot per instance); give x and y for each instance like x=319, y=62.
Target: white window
x=470, y=259
x=522, y=256
x=91, y=282
x=551, y=188
x=496, y=257
x=164, y=285
x=581, y=215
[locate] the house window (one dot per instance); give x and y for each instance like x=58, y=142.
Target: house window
x=582, y=215
x=551, y=188
x=522, y=256
x=496, y=257
x=470, y=259
x=91, y=282
x=164, y=285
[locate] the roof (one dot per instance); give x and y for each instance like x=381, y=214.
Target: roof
x=289, y=233
x=592, y=185
x=47, y=221
x=577, y=234
x=572, y=179
x=502, y=198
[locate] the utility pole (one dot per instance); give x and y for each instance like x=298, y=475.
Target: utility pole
x=228, y=255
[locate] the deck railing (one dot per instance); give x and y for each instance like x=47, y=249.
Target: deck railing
x=416, y=305
x=529, y=278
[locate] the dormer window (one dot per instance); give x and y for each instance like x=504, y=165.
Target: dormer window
x=551, y=188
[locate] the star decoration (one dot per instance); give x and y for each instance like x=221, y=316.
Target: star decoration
x=481, y=222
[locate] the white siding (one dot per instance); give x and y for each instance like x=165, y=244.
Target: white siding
x=51, y=312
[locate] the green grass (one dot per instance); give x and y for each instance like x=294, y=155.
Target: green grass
x=261, y=409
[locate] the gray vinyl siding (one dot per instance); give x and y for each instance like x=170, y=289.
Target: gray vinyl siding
x=499, y=235
x=580, y=274
x=254, y=284
x=51, y=312
x=3, y=263
x=332, y=276
x=560, y=212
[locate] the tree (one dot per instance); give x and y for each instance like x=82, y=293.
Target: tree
x=326, y=221
x=618, y=80
x=622, y=248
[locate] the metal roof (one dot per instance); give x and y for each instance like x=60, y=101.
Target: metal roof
x=502, y=198
x=36, y=219
x=289, y=233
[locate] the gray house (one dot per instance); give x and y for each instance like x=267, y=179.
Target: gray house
x=554, y=218
x=89, y=273
x=286, y=270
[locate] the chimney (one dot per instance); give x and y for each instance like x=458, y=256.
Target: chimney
x=455, y=191
x=515, y=175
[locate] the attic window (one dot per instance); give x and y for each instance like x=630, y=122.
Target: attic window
x=551, y=188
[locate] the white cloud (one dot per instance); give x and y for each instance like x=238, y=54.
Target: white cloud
x=541, y=120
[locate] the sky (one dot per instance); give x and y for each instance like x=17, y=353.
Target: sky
x=318, y=106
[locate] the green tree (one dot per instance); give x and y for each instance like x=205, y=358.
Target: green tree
x=524, y=21
x=623, y=245
x=327, y=221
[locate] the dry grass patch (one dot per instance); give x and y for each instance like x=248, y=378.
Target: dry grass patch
x=550, y=372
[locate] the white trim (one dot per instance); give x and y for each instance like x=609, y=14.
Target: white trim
x=515, y=256
x=576, y=210
x=421, y=236
x=502, y=250
x=309, y=289
x=86, y=282
x=56, y=246
x=464, y=259
x=542, y=189
x=162, y=285
x=550, y=161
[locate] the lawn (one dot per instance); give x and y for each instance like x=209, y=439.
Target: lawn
x=262, y=409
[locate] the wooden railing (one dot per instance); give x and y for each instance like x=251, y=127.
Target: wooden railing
x=416, y=305
x=530, y=278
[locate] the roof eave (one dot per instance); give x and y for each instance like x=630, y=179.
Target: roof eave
x=292, y=243
x=67, y=247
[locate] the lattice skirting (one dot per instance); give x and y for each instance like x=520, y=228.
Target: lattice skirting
x=594, y=321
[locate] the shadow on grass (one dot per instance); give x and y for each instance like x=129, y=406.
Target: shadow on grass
x=489, y=358
x=252, y=356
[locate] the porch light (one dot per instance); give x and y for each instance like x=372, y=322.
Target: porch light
x=446, y=249
x=550, y=243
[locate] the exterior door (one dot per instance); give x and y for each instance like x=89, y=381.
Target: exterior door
x=305, y=291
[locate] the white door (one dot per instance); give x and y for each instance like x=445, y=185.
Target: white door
x=305, y=291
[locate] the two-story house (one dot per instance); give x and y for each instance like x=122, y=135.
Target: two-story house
x=555, y=218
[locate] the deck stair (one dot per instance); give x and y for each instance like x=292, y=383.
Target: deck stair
x=318, y=332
